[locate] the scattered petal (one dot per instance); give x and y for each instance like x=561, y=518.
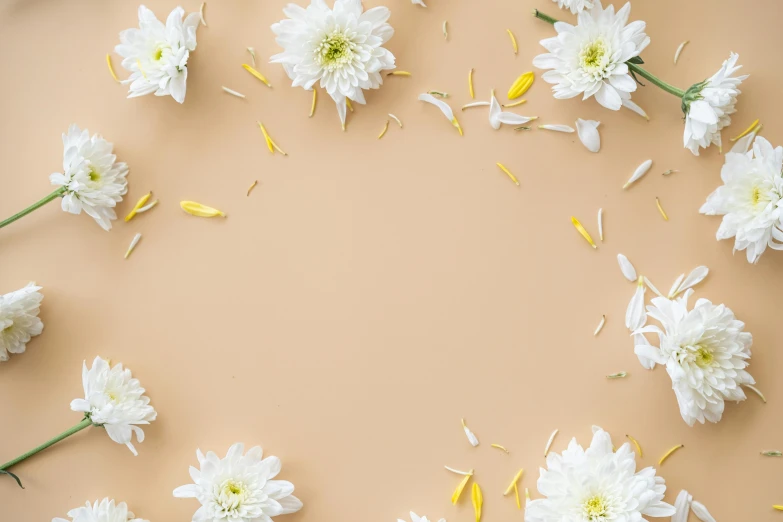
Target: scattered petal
x=626, y=268
x=588, y=134
x=140, y=203
x=640, y=171
x=696, y=276
x=461, y=486
x=600, y=325
x=445, y=30
x=201, y=13
x=395, y=118
x=515, y=104
x=557, y=128
x=652, y=286
x=675, y=286
x=514, y=481
x=315, y=102
x=475, y=104
x=601, y=224
x=146, y=207
x=777, y=507
x=459, y=472
x=133, y=243
x=743, y=144
x=756, y=391
x=439, y=93
x=516, y=495
x=508, y=173
x=521, y=85
x=250, y=189
x=497, y=117
x=635, y=108
x=444, y=108
x=256, y=74
x=584, y=232
x=470, y=84
x=618, y=375
x=197, y=209
x=502, y=448
x=661, y=210
x=471, y=437
x=746, y=131
x=233, y=92
x=383, y=132
x=399, y=73
x=270, y=143
x=635, y=315
x=513, y=41
x=679, y=51
x=111, y=68
x=252, y=55
x=670, y=171
x=701, y=512
x=772, y=453
x=478, y=500
x=682, y=507
x=549, y=442
x=636, y=444
x=669, y=453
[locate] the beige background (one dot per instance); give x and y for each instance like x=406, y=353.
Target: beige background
x=370, y=293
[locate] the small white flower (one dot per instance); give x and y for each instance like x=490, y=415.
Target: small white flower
x=239, y=488
x=705, y=352
x=597, y=485
x=157, y=55
x=708, y=106
x=750, y=199
x=574, y=5
x=498, y=117
x=589, y=59
x=93, y=180
x=114, y=400
x=19, y=319
x=104, y=511
x=340, y=47
x=417, y=518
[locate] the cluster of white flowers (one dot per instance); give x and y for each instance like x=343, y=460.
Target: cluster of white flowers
x=575, y=6
x=19, y=319
x=104, y=511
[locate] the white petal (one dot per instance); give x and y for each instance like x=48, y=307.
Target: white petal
x=635, y=108
x=682, y=507
x=588, y=134
x=635, y=316
x=471, y=437
x=701, y=512
x=696, y=276
x=627, y=268
x=675, y=286
x=640, y=171
x=443, y=106
x=556, y=128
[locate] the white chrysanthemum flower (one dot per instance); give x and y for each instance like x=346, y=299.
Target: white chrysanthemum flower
x=705, y=352
x=340, y=47
x=104, y=511
x=589, y=58
x=157, y=55
x=239, y=488
x=597, y=485
x=114, y=400
x=708, y=106
x=91, y=178
x=19, y=319
x=750, y=199
x=574, y=5
x=417, y=518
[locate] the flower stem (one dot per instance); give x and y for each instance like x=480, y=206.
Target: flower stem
x=67, y=433
x=38, y=204
x=671, y=89
x=541, y=16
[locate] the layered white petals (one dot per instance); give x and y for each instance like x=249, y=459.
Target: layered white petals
x=712, y=109
x=682, y=507
x=104, y=511
x=342, y=48
x=588, y=59
x=597, y=484
x=588, y=134
x=750, y=199
x=696, y=276
x=156, y=54
x=239, y=487
x=115, y=400
x=94, y=182
x=701, y=512
x=705, y=351
x=574, y=5
x=635, y=316
x=19, y=320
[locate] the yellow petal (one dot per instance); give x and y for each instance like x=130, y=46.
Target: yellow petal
x=257, y=74
x=385, y=128
x=478, y=500
x=636, y=443
x=315, y=100
x=461, y=486
x=661, y=210
x=111, y=68
x=398, y=73
x=521, y=85
x=584, y=232
x=778, y=507
x=470, y=84
x=349, y=104
x=514, y=482
x=513, y=40
x=508, y=173
x=140, y=203
x=668, y=453
x=270, y=143
x=197, y=209
x=516, y=494
x=741, y=135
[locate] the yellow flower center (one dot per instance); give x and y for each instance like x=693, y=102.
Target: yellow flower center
x=595, y=508
x=335, y=50
x=95, y=176
x=755, y=196
x=591, y=57
x=158, y=54
x=704, y=357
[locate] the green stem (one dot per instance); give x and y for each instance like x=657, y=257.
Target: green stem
x=541, y=16
x=38, y=204
x=671, y=89
x=67, y=433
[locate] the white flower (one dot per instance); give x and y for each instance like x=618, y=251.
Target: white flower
x=239, y=488
x=341, y=47
x=103, y=511
x=589, y=59
x=574, y=5
x=19, y=319
x=114, y=400
x=417, y=518
x=708, y=106
x=498, y=117
x=157, y=55
x=750, y=199
x=597, y=485
x=705, y=352
x=91, y=178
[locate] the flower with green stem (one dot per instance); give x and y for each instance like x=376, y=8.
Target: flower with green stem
x=92, y=180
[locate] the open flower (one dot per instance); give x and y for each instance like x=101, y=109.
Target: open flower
x=104, y=511
x=19, y=319
x=589, y=59
x=708, y=106
x=597, y=485
x=239, y=487
x=705, y=352
x=574, y=5
x=157, y=55
x=340, y=47
x=750, y=199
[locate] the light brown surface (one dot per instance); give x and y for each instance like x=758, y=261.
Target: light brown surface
x=370, y=293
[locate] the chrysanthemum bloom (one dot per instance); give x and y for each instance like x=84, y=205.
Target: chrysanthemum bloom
x=19, y=319
x=705, y=351
x=340, y=47
x=157, y=55
x=574, y=5
x=239, y=487
x=92, y=181
x=750, y=199
x=588, y=59
x=104, y=511
x=708, y=106
x=597, y=485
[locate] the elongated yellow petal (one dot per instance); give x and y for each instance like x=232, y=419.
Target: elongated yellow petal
x=777, y=507
x=111, y=68
x=315, y=100
x=661, y=210
x=516, y=103
x=197, y=209
x=398, y=73
x=513, y=41
x=521, y=85
x=249, y=190
x=668, y=453
x=470, y=84
x=349, y=104
x=457, y=125
x=460, y=487
x=516, y=494
x=478, y=500
x=508, y=173
x=501, y=448
x=636, y=443
x=584, y=232
x=741, y=135
x=140, y=203
x=514, y=481
x=270, y=143
x=383, y=132
x=257, y=74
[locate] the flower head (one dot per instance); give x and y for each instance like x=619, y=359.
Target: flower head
x=750, y=199
x=157, y=55
x=705, y=352
x=417, y=518
x=589, y=58
x=708, y=106
x=597, y=485
x=574, y=5
x=340, y=47
x=104, y=511
x=114, y=400
x=92, y=179
x=239, y=487
x=19, y=319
